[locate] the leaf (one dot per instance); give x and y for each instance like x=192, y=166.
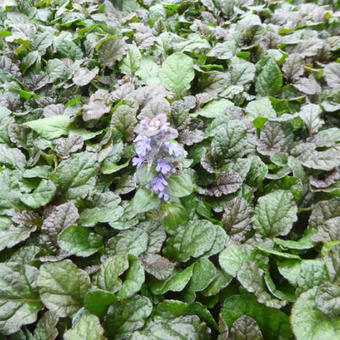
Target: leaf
x=214, y=109
x=98, y=105
x=55, y=69
x=132, y=241
x=88, y=327
x=177, y=73
x=188, y=327
x=321, y=160
x=272, y=139
x=148, y=71
x=19, y=298
x=12, y=156
x=97, y=301
x=275, y=213
x=134, y=279
x=233, y=257
x=241, y=71
x=51, y=127
x=260, y=108
x=124, y=121
x=310, y=115
x=331, y=74
x=229, y=141
x=274, y=323
x=12, y=235
x=158, y=266
x=237, y=218
x=180, y=186
x=175, y=283
x=191, y=240
x=110, y=51
x=108, y=276
x=79, y=241
x=123, y=318
x=144, y=201
x=308, y=86
x=245, y=327
x=42, y=195
x=304, y=274
x=227, y=183
x=73, y=175
x=309, y=323
x=46, y=327
x=251, y=278
x=293, y=66
x=62, y=287
x=65, y=146
x=131, y=62
x=84, y=76
x=269, y=80
x=327, y=299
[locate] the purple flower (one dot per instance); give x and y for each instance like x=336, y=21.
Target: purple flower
x=164, y=195
x=174, y=150
x=163, y=167
x=143, y=146
x=137, y=161
x=159, y=184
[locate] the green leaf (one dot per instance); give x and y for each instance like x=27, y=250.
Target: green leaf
x=148, y=71
x=175, y=283
x=233, y=257
x=110, y=51
x=260, y=108
x=42, y=195
x=62, y=287
x=11, y=235
x=180, y=186
x=275, y=213
x=274, y=324
x=183, y=327
x=251, y=278
x=327, y=299
x=123, y=318
x=214, y=109
x=13, y=157
x=230, y=140
x=144, y=201
x=55, y=69
x=177, y=73
x=46, y=327
x=304, y=274
x=79, y=241
x=88, y=327
x=269, y=80
x=19, y=299
x=309, y=323
x=132, y=241
x=241, y=71
x=97, y=301
x=173, y=215
x=321, y=160
x=73, y=176
x=191, y=240
x=131, y=62
x=331, y=74
x=108, y=276
x=245, y=327
x=51, y=127
x=310, y=114
x=134, y=279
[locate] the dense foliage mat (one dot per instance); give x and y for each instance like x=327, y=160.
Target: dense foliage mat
x=169, y=169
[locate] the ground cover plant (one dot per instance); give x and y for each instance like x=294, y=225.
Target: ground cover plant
x=169, y=169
